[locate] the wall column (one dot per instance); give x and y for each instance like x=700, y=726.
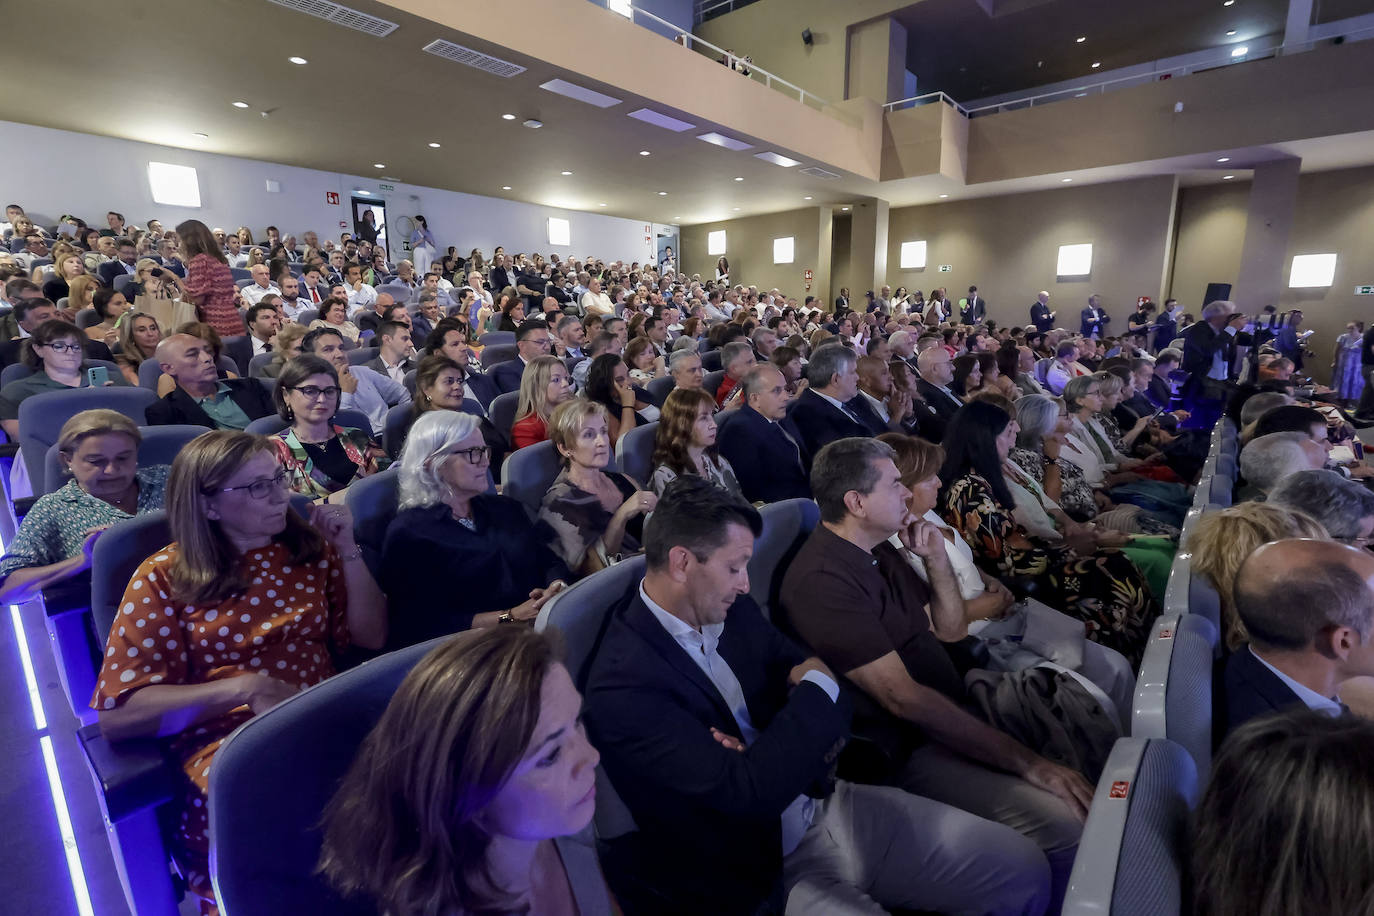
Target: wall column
x=876, y=65
x=868, y=249
x=1296, y=26
x=1268, y=224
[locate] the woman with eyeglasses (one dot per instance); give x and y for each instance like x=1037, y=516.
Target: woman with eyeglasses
x=320, y=458
x=449, y=519
x=249, y=604
x=54, y=353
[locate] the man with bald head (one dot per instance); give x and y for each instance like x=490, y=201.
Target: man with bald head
x=934, y=372
x=1308, y=607
x=760, y=442
x=882, y=407
x=372, y=318
x=201, y=397
x=1040, y=314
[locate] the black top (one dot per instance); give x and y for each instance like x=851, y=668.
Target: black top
x=331, y=459
x=55, y=288
x=438, y=574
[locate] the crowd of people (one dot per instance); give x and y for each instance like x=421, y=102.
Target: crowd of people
x=918, y=723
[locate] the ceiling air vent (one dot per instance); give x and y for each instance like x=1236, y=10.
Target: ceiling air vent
x=340, y=15
x=817, y=172
x=450, y=51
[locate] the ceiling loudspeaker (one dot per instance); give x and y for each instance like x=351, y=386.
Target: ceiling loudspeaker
x=807, y=38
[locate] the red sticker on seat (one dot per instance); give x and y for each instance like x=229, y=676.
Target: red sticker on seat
x=1119, y=789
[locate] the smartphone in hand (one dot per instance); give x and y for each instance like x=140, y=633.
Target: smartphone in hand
x=97, y=376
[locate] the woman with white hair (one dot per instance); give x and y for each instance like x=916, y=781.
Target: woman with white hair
x=450, y=521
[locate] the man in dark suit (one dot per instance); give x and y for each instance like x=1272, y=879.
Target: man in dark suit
x=531, y=340
x=1209, y=350
x=822, y=413
x=123, y=264
x=934, y=372
x=1094, y=318
x=394, y=350
x=975, y=307
x=1165, y=327
x=760, y=442
x=879, y=407
x=31, y=311
x=720, y=735
x=1040, y=314
x=201, y=397
x=1308, y=607
x=501, y=274
x=842, y=300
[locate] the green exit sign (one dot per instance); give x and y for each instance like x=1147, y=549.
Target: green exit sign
x=387, y=187
x=1364, y=290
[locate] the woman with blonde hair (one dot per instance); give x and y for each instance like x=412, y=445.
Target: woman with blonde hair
x=685, y=442
x=67, y=268
x=288, y=347
x=245, y=235
x=475, y=790
x=99, y=450
x=593, y=516
x=1222, y=540
x=272, y=596
x=139, y=335
x=81, y=291
x=545, y=385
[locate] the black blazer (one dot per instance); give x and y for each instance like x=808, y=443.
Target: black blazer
x=94, y=349
x=709, y=818
x=976, y=310
x=480, y=387
x=768, y=467
x=110, y=270
x=939, y=408
x=1166, y=329
x=506, y=376
x=500, y=278
x=180, y=408
x=1200, y=341
x=874, y=421
x=819, y=423
x=1250, y=690
x=1040, y=316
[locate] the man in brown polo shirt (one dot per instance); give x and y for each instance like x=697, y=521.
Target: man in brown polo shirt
x=857, y=602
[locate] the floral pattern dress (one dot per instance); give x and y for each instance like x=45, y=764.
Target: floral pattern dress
x=1105, y=589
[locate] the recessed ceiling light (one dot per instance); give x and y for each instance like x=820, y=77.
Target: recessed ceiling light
x=1224, y=159
x=532, y=123
x=1080, y=39
x=677, y=217
x=736, y=209
x=508, y=117
x=434, y=146
x=601, y=205
x=1228, y=2
x=1066, y=180
x=365, y=193
x=943, y=196
x=777, y=159
x=566, y=173
x=1230, y=32
x=379, y=165
x=1240, y=52
x=643, y=152
x=658, y=119
x=844, y=208
x=505, y=187
x=722, y=140
x=201, y=135
x=737, y=178
x=581, y=93
x=298, y=61
x=1227, y=177
x=240, y=104
x=1096, y=64
x=806, y=198
x=662, y=193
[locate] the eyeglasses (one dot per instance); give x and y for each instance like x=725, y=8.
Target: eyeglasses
x=62, y=347
x=311, y=392
x=473, y=455
x=258, y=489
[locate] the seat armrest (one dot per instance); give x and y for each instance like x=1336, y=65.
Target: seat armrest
x=72, y=594
x=132, y=775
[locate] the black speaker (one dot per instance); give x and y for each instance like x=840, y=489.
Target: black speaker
x=806, y=37
x=1216, y=292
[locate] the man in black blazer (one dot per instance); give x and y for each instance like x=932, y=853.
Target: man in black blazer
x=975, y=307
x=877, y=405
x=934, y=372
x=1040, y=314
x=842, y=300
x=531, y=340
x=201, y=398
x=822, y=413
x=123, y=263
x=1209, y=351
x=29, y=313
x=761, y=443
x=1165, y=327
x=1308, y=607
x=720, y=735
x=1094, y=318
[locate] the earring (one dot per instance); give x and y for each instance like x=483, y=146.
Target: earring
x=290, y=414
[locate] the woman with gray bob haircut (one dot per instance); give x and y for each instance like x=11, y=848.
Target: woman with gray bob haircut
x=449, y=519
x=1344, y=507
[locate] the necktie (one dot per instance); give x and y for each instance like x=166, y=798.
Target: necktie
x=851, y=414
x=315, y=295
x=267, y=348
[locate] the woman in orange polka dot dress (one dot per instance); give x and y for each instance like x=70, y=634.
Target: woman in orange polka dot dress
x=248, y=605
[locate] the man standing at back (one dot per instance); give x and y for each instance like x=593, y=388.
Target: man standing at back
x=1040, y=314
x=1209, y=349
x=721, y=735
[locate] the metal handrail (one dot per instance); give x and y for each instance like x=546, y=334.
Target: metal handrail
x=690, y=41
x=927, y=99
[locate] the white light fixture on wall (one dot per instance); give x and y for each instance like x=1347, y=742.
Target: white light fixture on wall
x=1075, y=260
x=715, y=242
x=560, y=232
x=913, y=255
x=1312, y=270
x=783, y=250
x=174, y=185
x=622, y=7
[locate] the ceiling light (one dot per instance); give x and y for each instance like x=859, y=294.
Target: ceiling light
x=662, y=193
x=1230, y=32
x=1096, y=64
x=943, y=196
x=581, y=93
x=677, y=217
x=365, y=193
x=777, y=159
x=806, y=198
x=1066, y=180
x=643, y=152
x=601, y=205
x=1227, y=177
x=508, y=117
x=722, y=140
x=505, y=187
x=567, y=173
x=379, y=165
x=1080, y=39
x=533, y=124
x=201, y=135
x=1228, y=2
x=736, y=209
x=240, y=104
x=658, y=119
x=298, y=61
x=737, y=178
x=1240, y=52
x=434, y=146
x=844, y=208
x=1224, y=159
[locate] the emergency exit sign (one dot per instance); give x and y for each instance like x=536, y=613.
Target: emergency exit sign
x=946, y=268
x=1364, y=290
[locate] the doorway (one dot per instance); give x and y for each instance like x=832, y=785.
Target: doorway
x=374, y=232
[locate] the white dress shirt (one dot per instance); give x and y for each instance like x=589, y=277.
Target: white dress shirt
x=253, y=294
x=700, y=646
x=358, y=299
x=375, y=395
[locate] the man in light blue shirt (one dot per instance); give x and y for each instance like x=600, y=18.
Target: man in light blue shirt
x=361, y=388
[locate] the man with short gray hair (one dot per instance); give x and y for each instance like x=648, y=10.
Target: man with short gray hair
x=823, y=414
x=1209, y=349
x=760, y=442
x=1266, y=460
x=1345, y=508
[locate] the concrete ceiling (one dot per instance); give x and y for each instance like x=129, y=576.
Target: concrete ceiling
x=169, y=71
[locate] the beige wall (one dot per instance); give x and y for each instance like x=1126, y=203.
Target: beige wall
x=1008, y=247
x=1335, y=213
x=749, y=248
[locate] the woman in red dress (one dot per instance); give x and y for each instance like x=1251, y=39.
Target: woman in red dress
x=208, y=280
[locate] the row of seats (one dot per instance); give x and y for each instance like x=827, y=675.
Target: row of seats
x=1131, y=859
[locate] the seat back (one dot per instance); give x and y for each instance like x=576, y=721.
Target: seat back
x=257, y=364
x=1132, y=856
x=495, y=338
x=712, y=380
x=659, y=389
x=786, y=526
x=121, y=281
x=362, y=354
x=710, y=360
x=305, y=316
x=41, y=417
x=635, y=452
x=398, y=291
x=398, y=421
x=498, y=353
x=528, y=473
x=1042, y=370
x=148, y=372
x=272, y=424
x=264, y=830
x=160, y=445
x=501, y=410
x=118, y=552
x=373, y=502
x=580, y=615
x=86, y=318
x=1173, y=693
